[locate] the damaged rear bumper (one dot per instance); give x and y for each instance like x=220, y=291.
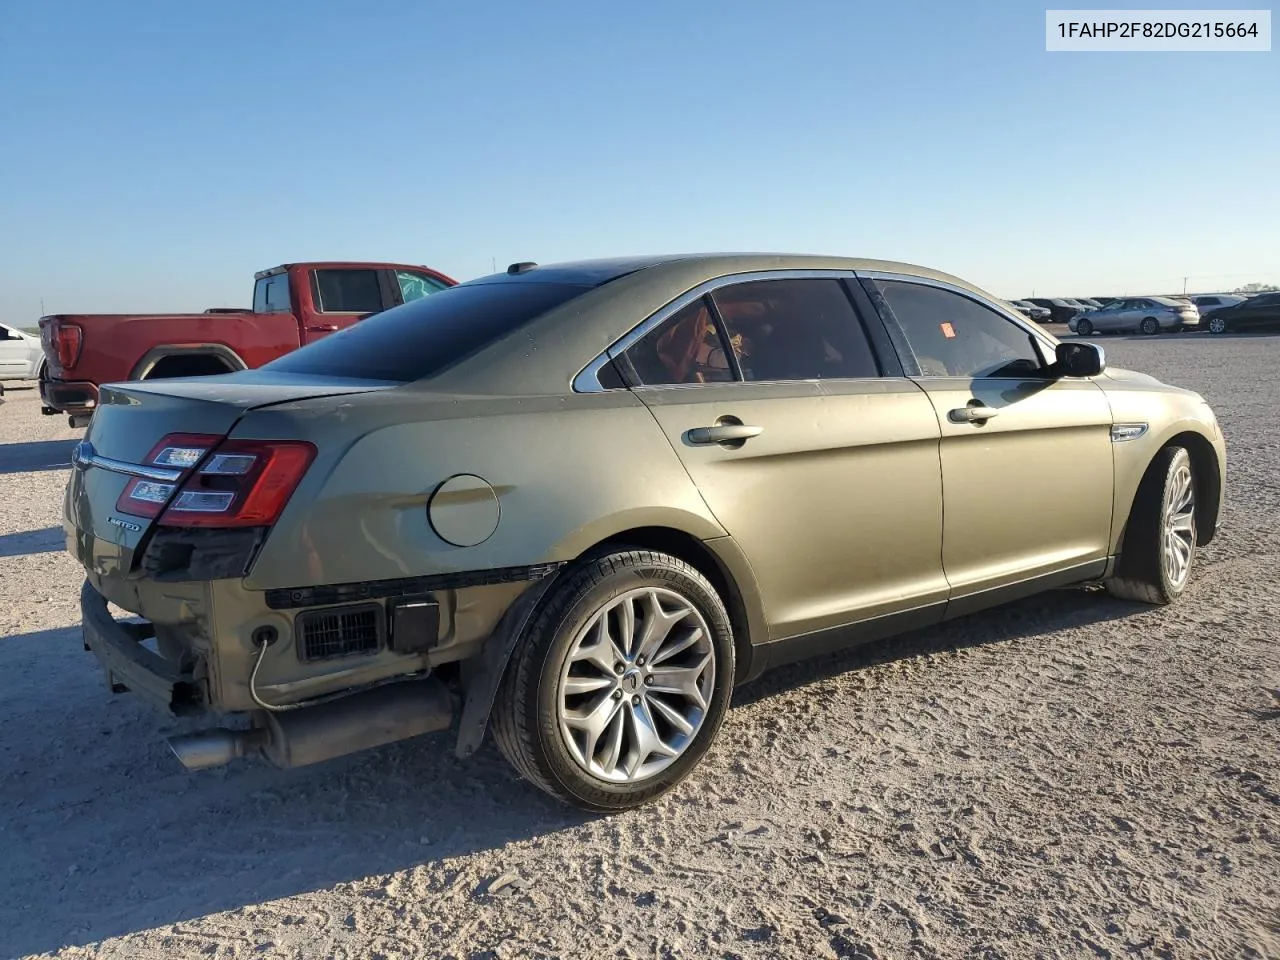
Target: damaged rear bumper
x=128, y=663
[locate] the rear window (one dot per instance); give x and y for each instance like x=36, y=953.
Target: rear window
x=271, y=294
x=423, y=337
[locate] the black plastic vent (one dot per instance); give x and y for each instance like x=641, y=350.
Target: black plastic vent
x=339, y=632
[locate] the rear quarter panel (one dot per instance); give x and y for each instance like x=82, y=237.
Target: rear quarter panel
x=567, y=471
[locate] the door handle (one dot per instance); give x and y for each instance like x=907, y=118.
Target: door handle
x=322, y=327
x=724, y=433
x=975, y=414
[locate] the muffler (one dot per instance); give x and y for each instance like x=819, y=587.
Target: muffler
x=308, y=735
x=363, y=720
x=215, y=748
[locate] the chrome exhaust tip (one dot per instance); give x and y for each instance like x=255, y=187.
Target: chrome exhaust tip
x=213, y=748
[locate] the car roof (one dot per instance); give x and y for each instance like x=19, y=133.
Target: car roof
x=595, y=272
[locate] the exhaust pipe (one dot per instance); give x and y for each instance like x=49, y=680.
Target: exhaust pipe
x=312, y=734
x=214, y=748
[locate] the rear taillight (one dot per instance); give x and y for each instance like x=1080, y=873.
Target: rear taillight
x=222, y=483
x=145, y=497
x=243, y=483
x=68, y=338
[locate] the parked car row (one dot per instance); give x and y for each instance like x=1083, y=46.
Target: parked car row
x=1216, y=312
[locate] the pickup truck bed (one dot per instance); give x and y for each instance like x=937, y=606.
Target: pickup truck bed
x=293, y=305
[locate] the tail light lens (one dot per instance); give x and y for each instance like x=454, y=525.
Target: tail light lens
x=224, y=483
x=68, y=338
x=177, y=451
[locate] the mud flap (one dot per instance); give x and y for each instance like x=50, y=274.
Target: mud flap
x=483, y=686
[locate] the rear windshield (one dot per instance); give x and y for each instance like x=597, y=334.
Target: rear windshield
x=423, y=337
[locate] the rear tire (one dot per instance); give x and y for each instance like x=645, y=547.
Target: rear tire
x=1217, y=325
x=1084, y=328
x=606, y=725
x=1160, y=537
x=1150, y=326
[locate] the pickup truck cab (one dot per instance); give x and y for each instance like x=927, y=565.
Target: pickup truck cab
x=293, y=305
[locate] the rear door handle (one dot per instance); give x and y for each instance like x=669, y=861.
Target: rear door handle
x=322, y=327
x=724, y=433
x=974, y=414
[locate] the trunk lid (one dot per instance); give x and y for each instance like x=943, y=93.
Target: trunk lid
x=131, y=419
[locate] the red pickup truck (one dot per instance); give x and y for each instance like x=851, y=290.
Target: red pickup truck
x=293, y=305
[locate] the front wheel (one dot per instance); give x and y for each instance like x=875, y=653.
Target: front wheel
x=1217, y=325
x=1150, y=326
x=1084, y=328
x=1160, y=538
x=621, y=682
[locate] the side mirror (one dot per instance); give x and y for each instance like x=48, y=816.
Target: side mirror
x=1080, y=359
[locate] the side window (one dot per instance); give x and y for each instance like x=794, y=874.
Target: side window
x=347, y=291
x=954, y=336
x=271, y=294
x=415, y=286
x=803, y=329
x=687, y=348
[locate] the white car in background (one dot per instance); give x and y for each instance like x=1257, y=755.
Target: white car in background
x=20, y=354
x=1216, y=301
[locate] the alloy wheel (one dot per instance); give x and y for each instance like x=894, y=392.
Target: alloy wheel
x=1179, y=526
x=635, y=687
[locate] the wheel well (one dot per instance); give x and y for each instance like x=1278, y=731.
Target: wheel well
x=188, y=365
x=691, y=550
x=1204, y=468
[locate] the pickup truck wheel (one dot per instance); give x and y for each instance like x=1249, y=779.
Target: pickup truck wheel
x=1160, y=538
x=621, y=682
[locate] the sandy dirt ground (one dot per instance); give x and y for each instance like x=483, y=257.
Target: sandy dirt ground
x=1069, y=776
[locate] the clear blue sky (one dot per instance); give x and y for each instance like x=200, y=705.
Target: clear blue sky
x=154, y=154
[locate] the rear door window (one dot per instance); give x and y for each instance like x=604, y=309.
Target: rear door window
x=347, y=291
x=686, y=348
x=271, y=294
x=771, y=330
x=421, y=338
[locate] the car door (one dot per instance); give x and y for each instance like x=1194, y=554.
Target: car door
x=1011, y=433
x=14, y=354
x=1259, y=312
x=807, y=444
x=1110, y=319
x=342, y=296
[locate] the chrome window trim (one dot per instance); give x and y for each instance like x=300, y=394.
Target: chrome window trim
x=83, y=457
x=587, y=380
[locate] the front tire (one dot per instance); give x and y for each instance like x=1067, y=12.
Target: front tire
x=1150, y=326
x=1217, y=325
x=1160, y=537
x=621, y=682
x=1084, y=328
